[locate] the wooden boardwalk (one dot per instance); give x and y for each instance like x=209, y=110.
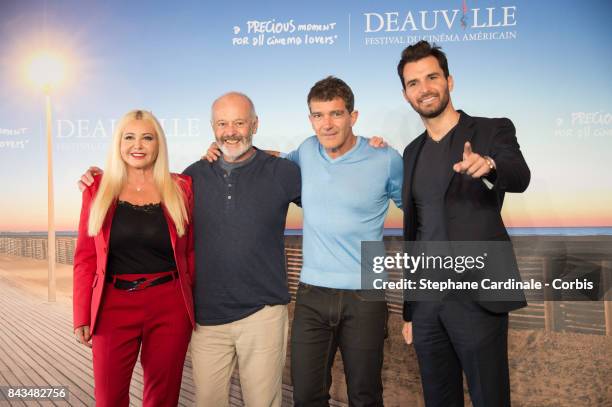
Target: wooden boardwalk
x=37, y=348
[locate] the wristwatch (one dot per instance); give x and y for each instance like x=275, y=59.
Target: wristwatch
x=490, y=162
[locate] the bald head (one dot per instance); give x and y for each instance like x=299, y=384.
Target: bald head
x=234, y=100
x=234, y=122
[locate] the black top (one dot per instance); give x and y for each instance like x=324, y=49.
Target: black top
x=239, y=223
x=139, y=240
x=431, y=177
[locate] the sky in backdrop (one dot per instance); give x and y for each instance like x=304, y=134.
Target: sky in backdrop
x=544, y=65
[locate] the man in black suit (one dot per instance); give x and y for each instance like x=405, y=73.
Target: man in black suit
x=455, y=177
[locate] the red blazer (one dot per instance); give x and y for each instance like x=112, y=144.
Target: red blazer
x=91, y=254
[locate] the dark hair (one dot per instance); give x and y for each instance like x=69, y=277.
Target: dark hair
x=418, y=51
x=330, y=88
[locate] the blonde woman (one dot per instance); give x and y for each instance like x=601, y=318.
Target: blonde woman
x=133, y=267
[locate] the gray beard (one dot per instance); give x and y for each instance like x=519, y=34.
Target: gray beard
x=237, y=154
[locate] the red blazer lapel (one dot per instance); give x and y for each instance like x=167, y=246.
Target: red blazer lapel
x=171, y=230
x=103, y=238
x=463, y=133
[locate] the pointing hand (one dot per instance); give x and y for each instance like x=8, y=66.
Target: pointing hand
x=473, y=163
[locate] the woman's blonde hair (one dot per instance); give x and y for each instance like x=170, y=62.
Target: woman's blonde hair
x=115, y=177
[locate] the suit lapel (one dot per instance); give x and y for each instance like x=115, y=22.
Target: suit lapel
x=460, y=136
x=103, y=238
x=411, y=160
x=171, y=230
x=108, y=223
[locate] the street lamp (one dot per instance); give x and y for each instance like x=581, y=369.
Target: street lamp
x=46, y=71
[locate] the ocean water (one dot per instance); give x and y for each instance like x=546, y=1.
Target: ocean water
x=549, y=231
x=573, y=231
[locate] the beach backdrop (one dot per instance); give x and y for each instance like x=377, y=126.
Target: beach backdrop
x=544, y=65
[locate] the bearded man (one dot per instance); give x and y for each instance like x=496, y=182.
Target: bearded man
x=456, y=174
x=241, y=293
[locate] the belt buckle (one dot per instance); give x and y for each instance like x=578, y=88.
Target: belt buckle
x=138, y=285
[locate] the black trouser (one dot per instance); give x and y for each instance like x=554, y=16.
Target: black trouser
x=325, y=319
x=453, y=336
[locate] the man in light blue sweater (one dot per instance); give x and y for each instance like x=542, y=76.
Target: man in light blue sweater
x=346, y=188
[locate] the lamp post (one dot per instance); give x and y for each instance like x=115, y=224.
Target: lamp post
x=47, y=71
x=50, y=199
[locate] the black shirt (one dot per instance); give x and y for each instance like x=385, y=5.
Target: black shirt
x=431, y=175
x=239, y=223
x=139, y=240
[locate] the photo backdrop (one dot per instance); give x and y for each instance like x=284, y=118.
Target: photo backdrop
x=545, y=65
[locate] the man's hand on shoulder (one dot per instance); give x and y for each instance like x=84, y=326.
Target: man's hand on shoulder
x=88, y=178
x=377, y=142
x=213, y=153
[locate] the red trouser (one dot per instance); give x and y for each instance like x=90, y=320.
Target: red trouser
x=154, y=320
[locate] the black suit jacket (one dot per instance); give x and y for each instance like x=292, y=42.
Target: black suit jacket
x=472, y=211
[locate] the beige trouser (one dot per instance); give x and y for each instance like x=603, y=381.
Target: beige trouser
x=258, y=343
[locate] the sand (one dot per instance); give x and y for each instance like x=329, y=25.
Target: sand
x=32, y=276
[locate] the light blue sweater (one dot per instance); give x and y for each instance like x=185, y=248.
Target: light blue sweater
x=345, y=201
